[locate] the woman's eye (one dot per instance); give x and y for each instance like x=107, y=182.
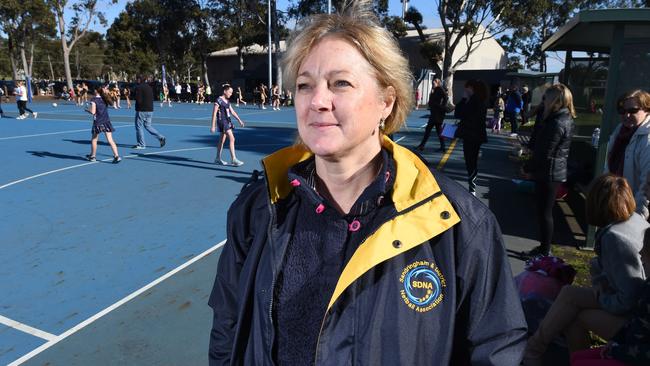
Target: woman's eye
x=341, y=83
x=302, y=86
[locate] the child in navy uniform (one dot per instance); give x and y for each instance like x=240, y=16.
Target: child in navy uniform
x=101, y=123
x=221, y=116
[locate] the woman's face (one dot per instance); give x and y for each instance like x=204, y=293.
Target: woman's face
x=228, y=92
x=338, y=101
x=632, y=114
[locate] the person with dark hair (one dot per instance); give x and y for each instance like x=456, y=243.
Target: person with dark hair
x=144, y=114
x=472, y=112
x=437, y=105
x=349, y=250
x=514, y=104
x=628, y=150
x=616, y=274
x=221, y=117
x=101, y=123
x=549, y=162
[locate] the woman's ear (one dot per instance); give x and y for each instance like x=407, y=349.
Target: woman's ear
x=388, y=100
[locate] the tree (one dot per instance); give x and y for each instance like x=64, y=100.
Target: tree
x=470, y=22
x=85, y=13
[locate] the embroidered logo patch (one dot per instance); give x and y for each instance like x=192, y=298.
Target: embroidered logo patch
x=422, y=285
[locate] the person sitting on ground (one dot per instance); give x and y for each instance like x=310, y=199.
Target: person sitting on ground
x=630, y=346
x=617, y=274
x=628, y=150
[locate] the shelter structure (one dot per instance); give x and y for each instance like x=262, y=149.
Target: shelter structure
x=621, y=40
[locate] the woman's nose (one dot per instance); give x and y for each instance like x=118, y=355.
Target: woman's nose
x=321, y=99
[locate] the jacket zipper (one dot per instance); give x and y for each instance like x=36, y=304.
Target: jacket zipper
x=272, y=290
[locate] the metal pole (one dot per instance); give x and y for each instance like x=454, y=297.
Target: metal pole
x=270, y=58
x=329, y=6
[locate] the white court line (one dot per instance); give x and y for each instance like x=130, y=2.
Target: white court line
x=424, y=125
x=27, y=329
x=400, y=139
x=88, y=163
x=51, y=133
x=130, y=297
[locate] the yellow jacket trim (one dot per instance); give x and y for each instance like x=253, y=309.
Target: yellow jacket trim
x=414, y=183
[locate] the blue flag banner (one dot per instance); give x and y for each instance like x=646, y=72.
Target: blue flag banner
x=28, y=81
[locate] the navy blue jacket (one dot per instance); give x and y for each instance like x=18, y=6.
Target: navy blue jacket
x=431, y=286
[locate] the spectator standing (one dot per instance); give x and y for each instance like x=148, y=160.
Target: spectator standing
x=549, y=162
x=165, y=98
x=221, y=117
x=21, y=101
x=144, y=114
x=101, y=123
x=188, y=91
x=499, y=107
x=472, y=112
x=437, y=103
x=179, y=92
x=514, y=104
x=127, y=96
x=628, y=150
x=525, y=104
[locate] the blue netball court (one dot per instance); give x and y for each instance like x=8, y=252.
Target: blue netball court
x=113, y=263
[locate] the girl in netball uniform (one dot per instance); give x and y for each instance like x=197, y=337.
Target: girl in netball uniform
x=101, y=123
x=221, y=117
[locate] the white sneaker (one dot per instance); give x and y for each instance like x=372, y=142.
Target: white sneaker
x=236, y=162
x=219, y=162
x=35, y=114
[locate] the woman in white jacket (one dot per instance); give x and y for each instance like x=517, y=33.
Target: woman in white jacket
x=628, y=150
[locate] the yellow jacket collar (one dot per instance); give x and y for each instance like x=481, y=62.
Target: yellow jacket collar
x=413, y=183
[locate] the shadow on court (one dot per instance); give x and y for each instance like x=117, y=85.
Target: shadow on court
x=47, y=154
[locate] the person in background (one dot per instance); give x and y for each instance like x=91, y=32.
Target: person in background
x=275, y=97
x=630, y=346
x=525, y=104
x=472, y=112
x=2, y=94
x=240, y=96
x=101, y=123
x=221, y=118
x=179, y=92
x=548, y=165
x=144, y=114
x=499, y=108
x=437, y=104
x=417, y=98
x=208, y=93
x=165, y=98
x=628, y=150
x=21, y=101
x=350, y=250
x=616, y=274
x=514, y=104
x=127, y=95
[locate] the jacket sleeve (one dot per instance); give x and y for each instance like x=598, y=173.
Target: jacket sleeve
x=644, y=169
x=621, y=264
x=225, y=297
x=489, y=303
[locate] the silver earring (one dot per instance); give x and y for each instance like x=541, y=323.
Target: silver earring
x=382, y=123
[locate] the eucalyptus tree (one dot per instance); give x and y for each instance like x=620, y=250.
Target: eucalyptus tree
x=84, y=13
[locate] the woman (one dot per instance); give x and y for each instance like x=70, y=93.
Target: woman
x=628, y=151
x=472, y=111
x=240, y=96
x=631, y=344
x=345, y=253
x=127, y=95
x=275, y=97
x=616, y=274
x=101, y=123
x=221, y=116
x=549, y=163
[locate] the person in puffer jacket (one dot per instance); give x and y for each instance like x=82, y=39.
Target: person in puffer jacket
x=549, y=162
x=350, y=250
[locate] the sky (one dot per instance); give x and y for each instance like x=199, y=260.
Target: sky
x=426, y=7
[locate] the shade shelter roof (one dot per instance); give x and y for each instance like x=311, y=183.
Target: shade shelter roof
x=593, y=30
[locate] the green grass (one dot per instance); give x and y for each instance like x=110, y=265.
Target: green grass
x=579, y=260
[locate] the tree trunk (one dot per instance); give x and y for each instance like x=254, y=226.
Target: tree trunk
x=204, y=66
x=51, y=69
x=31, y=60
x=76, y=62
x=448, y=74
x=66, y=65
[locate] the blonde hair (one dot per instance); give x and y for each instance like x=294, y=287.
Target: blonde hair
x=558, y=96
x=357, y=25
